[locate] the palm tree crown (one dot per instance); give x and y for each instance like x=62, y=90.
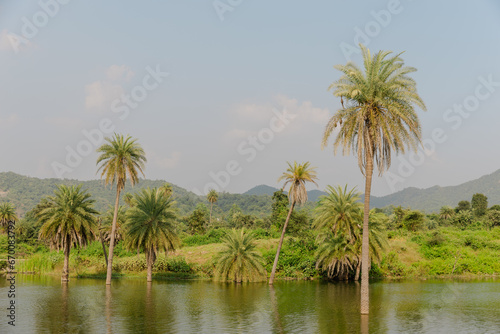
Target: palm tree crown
x=121, y=157
x=239, y=261
x=7, y=213
x=297, y=176
x=379, y=115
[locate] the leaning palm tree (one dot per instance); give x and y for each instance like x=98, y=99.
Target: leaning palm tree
x=120, y=158
x=297, y=175
x=378, y=117
x=149, y=225
x=7, y=214
x=68, y=219
x=212, y=197
x=239, y=261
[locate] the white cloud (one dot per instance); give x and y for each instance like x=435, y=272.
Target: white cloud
x=164, y=162
x=100, y=94
x=66, y=123
x=12, y=42
x=251, y=118
x=9, y=121
x=119, y=73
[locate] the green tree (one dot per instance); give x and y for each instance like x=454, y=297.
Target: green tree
x=68, y=219
x=212, y=197
x=463, y=206
x=337, y=255
x=150, y=225
x=446, y=213
x=494, y=218
x=479, y=204
x=7, y=214
x=378, y=117
x=198, y=220
x=413, y=220
x=239, y=261
x=462, y=219
x=121, y=158
x=297, y=176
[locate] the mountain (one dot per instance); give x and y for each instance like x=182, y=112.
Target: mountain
x=261, y=190
x=432, y=199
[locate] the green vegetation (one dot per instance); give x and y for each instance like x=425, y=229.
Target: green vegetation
x=68, y=220
x=238, y=261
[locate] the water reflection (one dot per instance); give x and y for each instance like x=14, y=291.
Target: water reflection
x=134, y=306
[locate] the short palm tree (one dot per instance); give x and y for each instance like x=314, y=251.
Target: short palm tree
x=68, y=219
x=339, y=211
x=7, y=214
x=212, y=197
x=150, y=225
x=297, y=176
x=446, y=213
x=239, y=261
x=120, y=158
x=337, y=255
x=378, y=117
x=106, y=225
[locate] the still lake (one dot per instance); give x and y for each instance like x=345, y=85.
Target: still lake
x=44, y=305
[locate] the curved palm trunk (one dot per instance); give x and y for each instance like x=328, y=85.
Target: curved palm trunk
x=358, y=267
x=112, y=240
x=365, y=250
x=103, y=248
x=67, y=249
x=271, y=279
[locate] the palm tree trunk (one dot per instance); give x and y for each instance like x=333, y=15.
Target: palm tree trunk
x=103, y=248
x=271, y=279
x=112, y=240
x=365, y=250
x=149, y=262
x=358, y=267
x=65, y=273
x=211, y=205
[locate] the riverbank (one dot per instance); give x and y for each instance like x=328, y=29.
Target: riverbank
x=442, y=252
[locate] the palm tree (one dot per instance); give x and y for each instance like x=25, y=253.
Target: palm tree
x=338, y=254
x=212, y=197
x=7, y=214
x=120, y=158
x=239, y=261
x=339, y=211
x=297, y=175
x=68, y=219
x=446, y=212
x=149, y=225
x=167, y=189
x=106, y=225
x=378, y=117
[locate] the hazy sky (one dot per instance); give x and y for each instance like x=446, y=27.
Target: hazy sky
x=233, y=89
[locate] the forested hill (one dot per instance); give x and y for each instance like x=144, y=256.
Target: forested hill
x=25, y=192
x=432, y=199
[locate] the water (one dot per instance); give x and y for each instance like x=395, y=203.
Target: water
x=44, y=305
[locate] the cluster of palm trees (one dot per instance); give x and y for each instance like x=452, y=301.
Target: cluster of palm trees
x=377, y=117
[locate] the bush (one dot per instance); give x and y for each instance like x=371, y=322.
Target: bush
x=436, y=239
x=213, y=236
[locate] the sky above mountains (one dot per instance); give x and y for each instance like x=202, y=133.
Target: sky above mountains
x=223, y=93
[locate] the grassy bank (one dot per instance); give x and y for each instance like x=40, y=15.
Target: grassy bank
x=442, y=252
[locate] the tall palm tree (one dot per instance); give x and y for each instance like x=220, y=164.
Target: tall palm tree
x=212, y=197
x=239, y=261
x=149, y=225
x=7, y=214
x=297, y=175
x=68, y=219
x=120, y=158
x=378, y=117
